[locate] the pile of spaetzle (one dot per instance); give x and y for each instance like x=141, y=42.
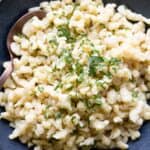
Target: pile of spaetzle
x=81, y=79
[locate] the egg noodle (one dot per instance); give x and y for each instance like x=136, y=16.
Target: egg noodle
x=81, y=79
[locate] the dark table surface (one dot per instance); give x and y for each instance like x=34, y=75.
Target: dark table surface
x=10, y=10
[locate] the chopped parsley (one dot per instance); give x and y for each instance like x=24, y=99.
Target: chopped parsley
x=46, y=112
x=53, y=43
x=40, y=89
x=59, y=85
x=102, y=26
x=80, y=77
x=77, y=68
x=74, y=120
x=114, y=61
x=101, y=84
x=58, y=115
x=70, y=87
x=95, y=100
x=99, y=64
x=134, y=94
x=89, y=104
x=95, y=62
x=108, y=74
x=20, y=35
x=98, y=101
x=64, y=31
x=54, y=68
x=67, y=57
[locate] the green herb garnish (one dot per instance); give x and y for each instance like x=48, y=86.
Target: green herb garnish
x=46, y=112
x=58, y=115
x=77, y=68
x=94, y=63
x=67, y=57
x=53, y=43
x=101, y=83
x=64, y=31
x=20, y=35
x=99, y=64
x=98, y=101
x=40, y=89
x=114, y=61
x=89, y=104
x=108, y=74
x=80, y=77
x=134, y=94
x=59, y=85
x=74, y=120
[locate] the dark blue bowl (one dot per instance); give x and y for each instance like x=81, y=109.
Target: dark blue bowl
x=10, y=11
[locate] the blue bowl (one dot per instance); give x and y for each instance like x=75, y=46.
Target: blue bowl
x=10, y=11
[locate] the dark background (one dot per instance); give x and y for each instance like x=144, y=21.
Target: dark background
x=10, y=11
